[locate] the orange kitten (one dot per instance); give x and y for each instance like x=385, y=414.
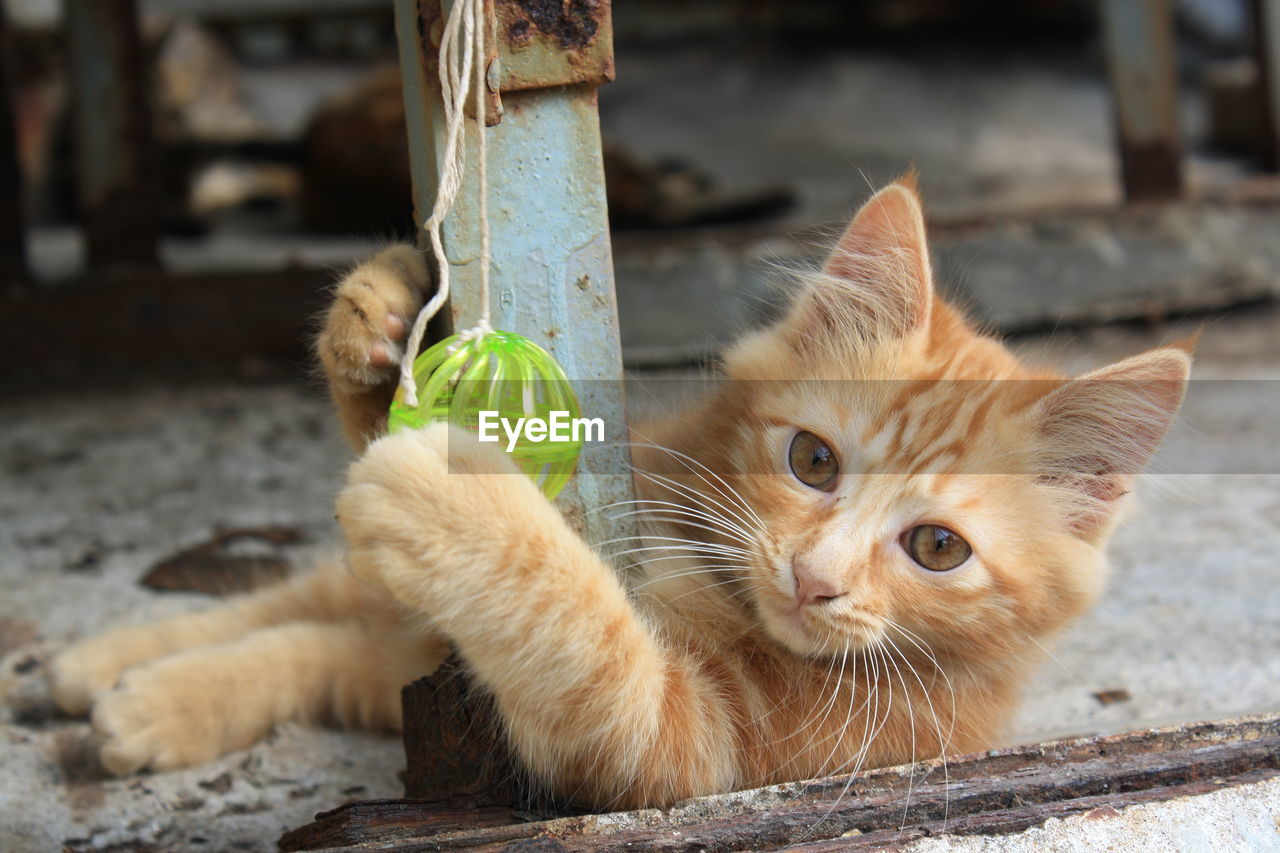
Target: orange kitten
x=848, y=572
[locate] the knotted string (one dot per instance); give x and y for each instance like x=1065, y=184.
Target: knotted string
x=462, y=70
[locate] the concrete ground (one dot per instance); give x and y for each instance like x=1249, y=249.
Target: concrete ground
x=99, y=487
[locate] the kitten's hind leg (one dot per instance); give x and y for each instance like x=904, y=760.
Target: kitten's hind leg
x=87, y=670
x=192, y=707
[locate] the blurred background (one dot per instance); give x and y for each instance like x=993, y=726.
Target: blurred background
x=181, y=181
x=264, y=145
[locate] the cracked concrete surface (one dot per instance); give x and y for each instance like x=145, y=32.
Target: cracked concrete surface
x=97, y=488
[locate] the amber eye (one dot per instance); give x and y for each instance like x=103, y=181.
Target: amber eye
x=813, y=462
x=935, y=548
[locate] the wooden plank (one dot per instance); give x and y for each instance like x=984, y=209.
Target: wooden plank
x=998, y=791
x=1144, y=88
x=1018, y=819
x=115, y=162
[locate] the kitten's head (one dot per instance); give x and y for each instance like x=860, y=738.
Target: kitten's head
x=912, y=479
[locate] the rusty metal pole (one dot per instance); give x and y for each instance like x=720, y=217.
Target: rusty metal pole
x=13, y=252
x=551, y=280
x=115, y=167
x=1144, y=89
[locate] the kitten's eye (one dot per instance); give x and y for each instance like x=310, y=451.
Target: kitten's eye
x=813, y=462
x=935, y=548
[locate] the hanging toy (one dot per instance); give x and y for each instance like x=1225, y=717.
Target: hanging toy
x=481, y=370
x=507, y=376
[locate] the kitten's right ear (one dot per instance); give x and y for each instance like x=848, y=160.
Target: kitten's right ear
x=1095, y=433
x=877, y=282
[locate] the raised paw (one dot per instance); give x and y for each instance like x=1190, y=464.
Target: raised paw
x=368, y=321
x=170, y=714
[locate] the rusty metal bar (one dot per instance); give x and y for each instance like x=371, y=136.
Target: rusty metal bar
x=1144, y=88
x=1266, y=48
x=13, y=253
x=116, y=171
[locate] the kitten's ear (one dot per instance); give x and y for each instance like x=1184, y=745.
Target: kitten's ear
x=1095, y=433
x=877, y=283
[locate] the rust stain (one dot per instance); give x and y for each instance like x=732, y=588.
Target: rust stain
x=572, y=23
x=520, y=32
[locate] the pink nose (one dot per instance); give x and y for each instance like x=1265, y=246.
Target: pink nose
x=812, y=587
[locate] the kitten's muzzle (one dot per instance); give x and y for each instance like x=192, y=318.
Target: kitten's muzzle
x=814, y=586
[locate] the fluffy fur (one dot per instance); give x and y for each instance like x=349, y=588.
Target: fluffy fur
x=713, y=671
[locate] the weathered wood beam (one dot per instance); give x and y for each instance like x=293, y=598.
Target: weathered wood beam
x=997, y=792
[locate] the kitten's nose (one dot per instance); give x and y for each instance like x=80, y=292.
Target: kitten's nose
x=813, y=587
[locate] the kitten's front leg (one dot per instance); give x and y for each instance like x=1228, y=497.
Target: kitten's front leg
x=364, y=335
x=591, y=700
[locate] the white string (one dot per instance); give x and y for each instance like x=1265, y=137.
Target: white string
x=459, y=74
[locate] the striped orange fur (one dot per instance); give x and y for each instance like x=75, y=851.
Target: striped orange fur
x=771, y=630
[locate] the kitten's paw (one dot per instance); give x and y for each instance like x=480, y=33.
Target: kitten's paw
x=430, y=502
x=369, y=319
x=89, y=669
x=165, y=716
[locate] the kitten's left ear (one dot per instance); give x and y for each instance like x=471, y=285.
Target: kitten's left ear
x=877, y=282
x=1095, y=433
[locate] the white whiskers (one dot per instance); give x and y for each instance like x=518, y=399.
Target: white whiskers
x=885, y=681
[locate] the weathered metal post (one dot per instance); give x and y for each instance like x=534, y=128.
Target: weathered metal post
x=552, y=270
x=551, y=280
x=13, y=253
x=116, y=173
x=1144, y=89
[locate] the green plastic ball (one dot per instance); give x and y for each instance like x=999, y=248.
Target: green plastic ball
x=503, y=373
